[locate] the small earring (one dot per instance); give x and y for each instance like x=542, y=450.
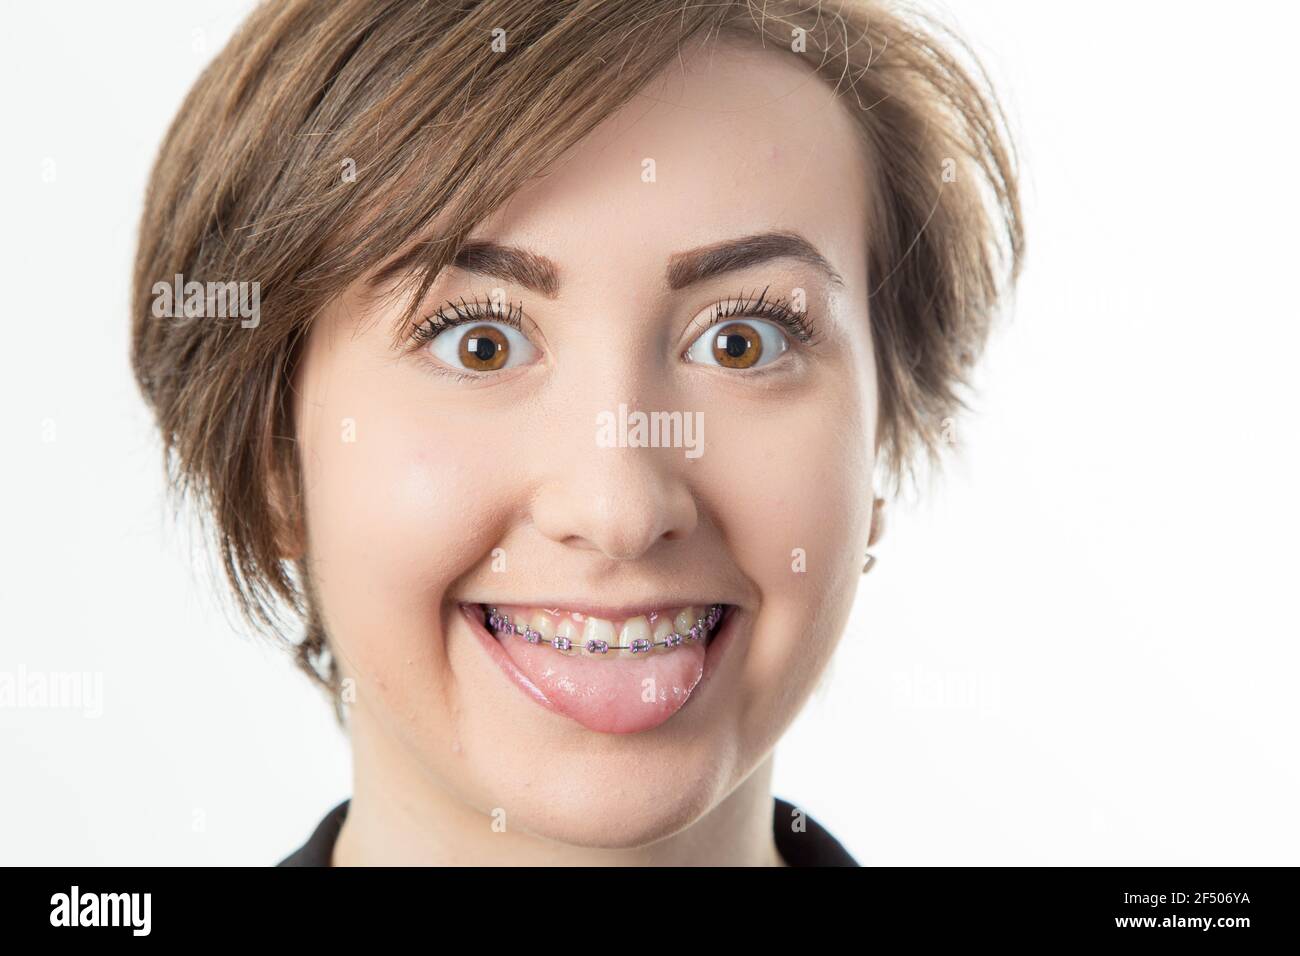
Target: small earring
x=877, y=528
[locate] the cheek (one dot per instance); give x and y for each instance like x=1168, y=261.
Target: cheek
x=797, y=488
x=795, y=501
x=391, y=518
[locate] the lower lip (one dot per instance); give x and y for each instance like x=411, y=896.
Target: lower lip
x=611, y=697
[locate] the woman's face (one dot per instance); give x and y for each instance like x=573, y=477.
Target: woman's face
x=490, y=466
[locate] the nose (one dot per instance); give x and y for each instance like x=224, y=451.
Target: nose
x=619, y=501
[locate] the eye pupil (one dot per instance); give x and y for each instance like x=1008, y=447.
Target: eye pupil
x=482, y=349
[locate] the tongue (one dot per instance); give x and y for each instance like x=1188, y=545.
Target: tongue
x=617, y=696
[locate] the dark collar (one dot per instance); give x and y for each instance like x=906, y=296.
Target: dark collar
x=812, y=845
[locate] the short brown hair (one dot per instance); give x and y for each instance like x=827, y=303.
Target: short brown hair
x=247, y=186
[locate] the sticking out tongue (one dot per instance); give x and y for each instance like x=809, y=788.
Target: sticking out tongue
x=617, y=696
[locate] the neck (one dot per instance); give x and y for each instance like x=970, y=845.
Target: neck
x=400, y=816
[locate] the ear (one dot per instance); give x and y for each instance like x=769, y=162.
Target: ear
x=877, y=522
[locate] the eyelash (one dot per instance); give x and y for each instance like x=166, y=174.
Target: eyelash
x=464, y=313
x=777, y=311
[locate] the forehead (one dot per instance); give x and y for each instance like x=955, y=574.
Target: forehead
x=731, y=140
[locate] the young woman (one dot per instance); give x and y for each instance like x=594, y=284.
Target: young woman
x=589, y=338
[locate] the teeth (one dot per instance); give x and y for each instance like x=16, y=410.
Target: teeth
x=566, y=630
x=663, y=627
x=598, y=634
x=686, y=620
x=635, y=638
x=659, y=632
x=543, y=625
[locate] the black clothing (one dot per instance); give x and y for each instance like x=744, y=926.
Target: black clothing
x=813, y=847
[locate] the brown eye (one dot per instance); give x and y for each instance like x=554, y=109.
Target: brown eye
x=463, y=342
x=484, y=348
x=739, y=344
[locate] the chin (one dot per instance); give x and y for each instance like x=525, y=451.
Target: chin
x=589, y=813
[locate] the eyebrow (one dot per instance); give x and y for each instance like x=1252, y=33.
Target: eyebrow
x=688, y=268
x=541, y=275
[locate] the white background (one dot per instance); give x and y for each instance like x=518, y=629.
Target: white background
x=1077, y=646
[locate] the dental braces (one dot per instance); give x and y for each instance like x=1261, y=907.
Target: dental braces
x=642, y=645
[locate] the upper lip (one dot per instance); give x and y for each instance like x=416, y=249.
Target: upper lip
x=608, y=612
